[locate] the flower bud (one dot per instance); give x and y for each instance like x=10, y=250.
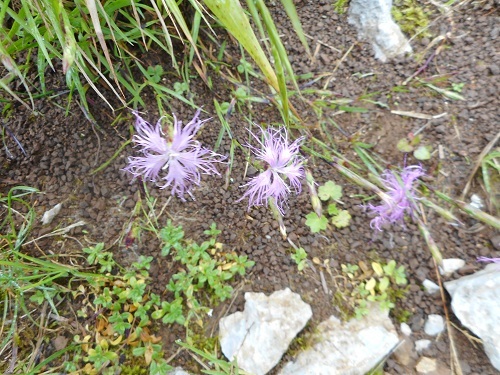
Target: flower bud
x=315, y=201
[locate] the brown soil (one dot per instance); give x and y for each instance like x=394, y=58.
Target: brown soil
x=63, y=150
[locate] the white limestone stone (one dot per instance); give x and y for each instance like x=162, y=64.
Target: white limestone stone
x=434, y=325
x=448, y=266
x=430, y=286
x=426, y=365
x=259, y=336
x=476, y=303
x=373, y=21
x=351, y=348
x=421, y=345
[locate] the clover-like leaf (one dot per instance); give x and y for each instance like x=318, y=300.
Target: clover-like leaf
x=330, y=190
x=423, y=153
x=342, y=220
x=404, y=145
x=333, y=209
x=316, y=223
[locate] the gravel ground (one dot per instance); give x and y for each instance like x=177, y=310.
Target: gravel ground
x=63, y=150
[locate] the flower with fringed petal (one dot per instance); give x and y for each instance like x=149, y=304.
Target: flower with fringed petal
x=174, y=161
x=283, y=169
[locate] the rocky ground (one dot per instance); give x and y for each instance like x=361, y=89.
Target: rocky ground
x=63, y=150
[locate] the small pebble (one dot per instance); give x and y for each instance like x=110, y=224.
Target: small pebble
x=421, y=345
x=434, y=325
x=430, y=286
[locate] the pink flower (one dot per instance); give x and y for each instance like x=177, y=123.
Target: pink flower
x=175, y=160
x=283, y=168
x=399, y=200
x=490, y=260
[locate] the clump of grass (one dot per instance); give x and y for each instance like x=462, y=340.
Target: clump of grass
x=97, y=44
x=411, y=17
x=31, y=288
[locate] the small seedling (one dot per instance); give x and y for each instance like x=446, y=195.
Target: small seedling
x=457, y=87
x=300, y=257
x=329, y=192
x=412, y=144
x=155, y=73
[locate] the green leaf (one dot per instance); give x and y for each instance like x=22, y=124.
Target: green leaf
x=342, y=220
x=330, y=190
x=423, y=153
x=353, y=109
x=316, y=223
x=333, y=209
x=383, y=284
x=404, y=145
x=231, y=15
x=390, y=267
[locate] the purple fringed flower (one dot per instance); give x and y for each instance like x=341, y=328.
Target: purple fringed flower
x=399, y=198
x=283, y=168
x=176, y=159
x=489, y=260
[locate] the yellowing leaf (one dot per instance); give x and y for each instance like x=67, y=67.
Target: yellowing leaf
x=342, y=220
x=378, y=269
x=370, y=285
x=116, y=341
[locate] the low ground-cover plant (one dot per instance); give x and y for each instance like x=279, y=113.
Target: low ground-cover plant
x=384, y=284
x=329, y=193
x=206, y=267
x=127, y=311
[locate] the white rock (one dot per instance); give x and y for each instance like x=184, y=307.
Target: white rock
x=421, y=345
x=430, y=286
x=476, y=202
x=405, y=329
x=259, y=336
x=426, y=365
x=373, y=20
x=177, y=371
x=450, y=265
x=434, y=325
x=49, y=215
x=476, y=303
x=350, y=348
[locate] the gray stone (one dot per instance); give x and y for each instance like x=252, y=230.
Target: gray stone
x=259, y=336
x=426, y=365
x=49, y=215
x=405, y=329
x=448, y=266
x=476, y=303
x=430, y=286
x=350, y=348
x=421, y=345
x=373, y=21
x=434, y=325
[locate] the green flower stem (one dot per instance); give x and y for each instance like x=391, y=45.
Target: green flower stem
x=472, y=211
x=277, y=216
x=436, y=253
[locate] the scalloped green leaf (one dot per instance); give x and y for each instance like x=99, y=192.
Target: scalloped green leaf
x=316, y=223
x=330, y=190
x=342, y=220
